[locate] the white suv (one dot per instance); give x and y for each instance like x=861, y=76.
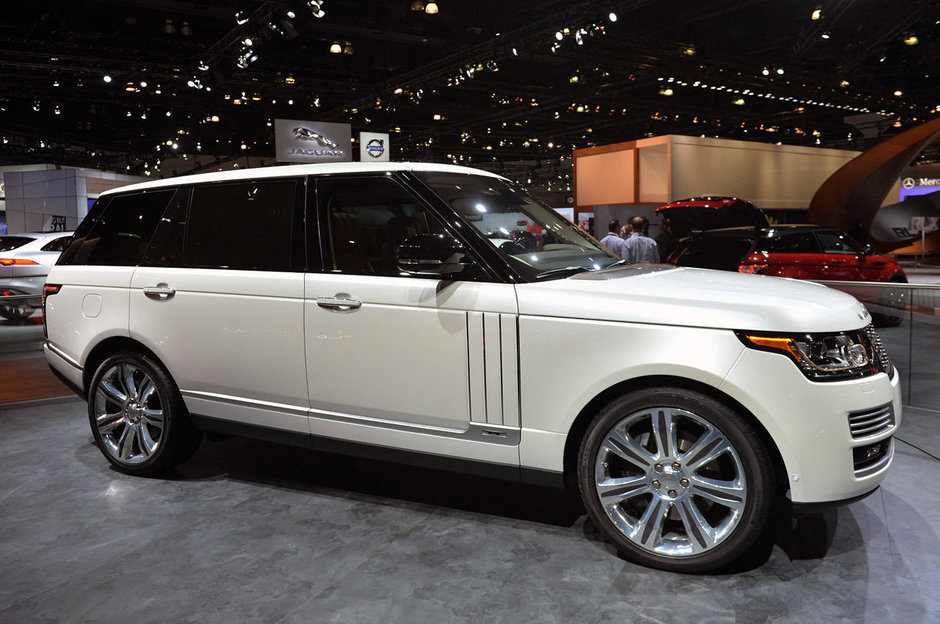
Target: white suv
x=25, y=260
x=440, y=315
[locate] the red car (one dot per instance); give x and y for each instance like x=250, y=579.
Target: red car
x=811, y=252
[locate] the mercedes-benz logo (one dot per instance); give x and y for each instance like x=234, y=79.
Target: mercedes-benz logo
x=908, y=183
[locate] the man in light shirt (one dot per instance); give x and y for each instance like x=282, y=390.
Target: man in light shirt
x=640, y=248
x=612, y=241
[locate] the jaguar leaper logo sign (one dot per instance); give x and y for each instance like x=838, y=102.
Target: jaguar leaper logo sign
x=312, y=141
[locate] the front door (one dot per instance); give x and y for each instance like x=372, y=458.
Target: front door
x=393, y=356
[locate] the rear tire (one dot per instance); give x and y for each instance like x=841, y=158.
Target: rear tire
x=676, y=480
x=138, y=417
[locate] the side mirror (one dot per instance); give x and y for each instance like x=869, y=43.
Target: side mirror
x=432, y=254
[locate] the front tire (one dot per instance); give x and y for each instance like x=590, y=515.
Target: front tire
x=676, y=480
x=138, y=417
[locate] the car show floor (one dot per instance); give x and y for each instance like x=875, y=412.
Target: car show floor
x=248, y=531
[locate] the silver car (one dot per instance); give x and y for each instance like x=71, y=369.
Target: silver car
x=25, y=260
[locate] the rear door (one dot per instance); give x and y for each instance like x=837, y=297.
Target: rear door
x=794, y=254
x=219, y=299
x=844, y=260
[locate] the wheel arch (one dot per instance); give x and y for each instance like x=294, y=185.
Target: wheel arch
x=108, y=347
x=589, y=411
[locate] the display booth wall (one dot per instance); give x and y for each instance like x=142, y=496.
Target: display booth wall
x=633, y=178
x=44, y=197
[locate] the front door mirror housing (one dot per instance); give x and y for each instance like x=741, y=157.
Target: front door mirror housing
x=432, y=254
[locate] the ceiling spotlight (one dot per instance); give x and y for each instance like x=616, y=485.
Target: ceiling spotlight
x=898, y=93
x=577, y=37
x=765, y=71
x=348, y=48
x=515, y=52
x=817, y=14
x=202, y=66
x=289, y=80
x=129, y=87
x=667, y=91
x=214, y=118
x=169, y=28
x=431, y=8
x=844, y=83
x=911, y=40
x=336, y=48
x=143, y=84
x=689, y=51
x=248, y=42
x=739, y=102
x=612, y=17
x=559, y=36
x=107, y=78
x=780, y=71
x=241, y=17
x=316, y=7
x=825, y=35
x=185, y=29
x=417, y=5
x=290, y=14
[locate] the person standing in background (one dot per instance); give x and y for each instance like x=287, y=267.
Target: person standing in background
x=613, y=241
x=666, y=241
x=639, y=247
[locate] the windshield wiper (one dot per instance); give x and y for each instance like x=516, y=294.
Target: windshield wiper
x=563, y=270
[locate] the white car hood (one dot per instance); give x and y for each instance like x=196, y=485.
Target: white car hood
x=665, y=295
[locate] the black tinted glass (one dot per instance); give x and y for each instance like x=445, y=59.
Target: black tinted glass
x=369, y=219
x=718, y=252
x=166, y=246
x=121, y=234
x=241, y=226
x=9, y=243
x=57, y=244
x=837, y=242
x=799, y=242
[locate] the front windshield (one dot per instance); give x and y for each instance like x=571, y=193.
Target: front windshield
x=531, y=235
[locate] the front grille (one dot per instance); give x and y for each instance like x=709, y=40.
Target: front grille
x=871, y=422
x=870, y=459
x=877, y=352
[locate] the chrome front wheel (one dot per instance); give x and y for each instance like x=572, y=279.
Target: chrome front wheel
x=675, y=479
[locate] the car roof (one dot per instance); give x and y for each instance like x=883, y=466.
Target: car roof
x=707, y=201
x=38, y=235
x=299, y=170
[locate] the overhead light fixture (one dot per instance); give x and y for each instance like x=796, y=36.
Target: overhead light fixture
x=689, y=51
x=316, y=7
x=202, y=66
x=667, y=91
x=780, y=71
x=417, y=6
x=241, y=18
x=765, y=71
x=826, y=35
x=106, y=78
x=431, y=8
x=169, y=28
x=336, y=48
x=289, y=80
x=248, y=42
x=348, y=48
x=129, y=87
x=559, y=36
x=817, y=14
x=911, y=40
x=739, y=102
x=214, y=118
x=844, y=83
x=898, y=93
x=612, y=16
x=515, y=52
x=186, y=30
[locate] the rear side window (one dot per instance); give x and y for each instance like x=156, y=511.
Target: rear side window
x=837, y=242
x=9, y=243
x=715, y=252
x=246, y=225
x=58, y=244
x=800, y=242
x=121, y=234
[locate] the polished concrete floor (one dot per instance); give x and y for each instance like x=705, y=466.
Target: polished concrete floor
x=254, y=532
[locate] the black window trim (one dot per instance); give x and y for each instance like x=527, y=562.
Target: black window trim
x=402, y=181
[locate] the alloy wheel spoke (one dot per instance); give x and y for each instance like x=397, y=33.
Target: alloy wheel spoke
x=111, y=393
x=127, y=378
x=126, y=443
x=706, y=449
x=147, y=443
x=628, y=449
x=153, y=417
x=699, y=532
x=649, y=528
x=145, y=391
x=107, y=422
x=664, y=432
x=615, y=491
x=731, y=494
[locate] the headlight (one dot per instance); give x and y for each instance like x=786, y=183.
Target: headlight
x=823, y=357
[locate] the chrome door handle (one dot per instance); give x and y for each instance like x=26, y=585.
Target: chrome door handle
x=338, y=303
x=160, y=292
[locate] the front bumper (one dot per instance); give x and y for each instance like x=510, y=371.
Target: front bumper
x=810, y=423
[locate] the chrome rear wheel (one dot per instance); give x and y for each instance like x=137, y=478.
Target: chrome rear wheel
x=129, y=413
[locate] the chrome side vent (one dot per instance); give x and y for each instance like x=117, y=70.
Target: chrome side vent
x=871, y=422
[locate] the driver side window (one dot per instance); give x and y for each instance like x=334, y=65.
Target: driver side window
x=367, y=220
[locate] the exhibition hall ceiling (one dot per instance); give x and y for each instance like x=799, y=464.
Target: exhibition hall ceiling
x=509, y=86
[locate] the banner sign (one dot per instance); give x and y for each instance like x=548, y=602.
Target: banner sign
x=312, y=141
x=373, y=146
